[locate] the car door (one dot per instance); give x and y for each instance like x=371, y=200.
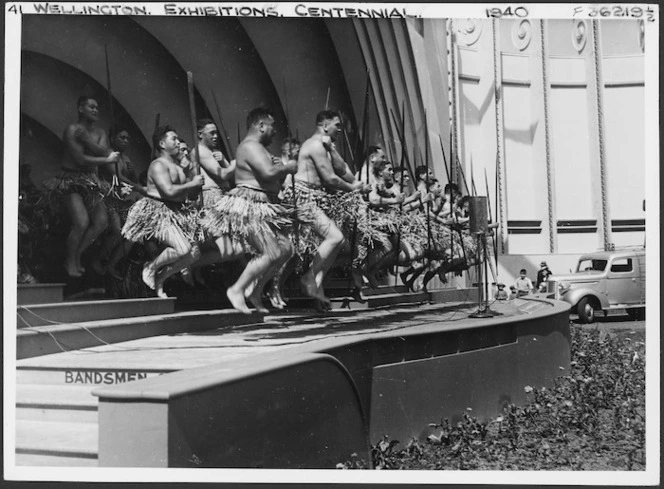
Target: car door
x=623, y=281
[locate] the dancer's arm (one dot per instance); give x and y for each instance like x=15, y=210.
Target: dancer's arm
x=262, y=165
x=74, y=146
x=168, y=190
x=319, y=155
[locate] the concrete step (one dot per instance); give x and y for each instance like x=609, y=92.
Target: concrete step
x=58, y=439
x=39, y=293
x=83, y=311
x=43, y=402
x=79, y=377
x=44, y=340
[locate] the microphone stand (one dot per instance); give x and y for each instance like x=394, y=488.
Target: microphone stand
x=483, y=310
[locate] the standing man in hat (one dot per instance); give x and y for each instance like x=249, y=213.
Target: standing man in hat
x=542, y=273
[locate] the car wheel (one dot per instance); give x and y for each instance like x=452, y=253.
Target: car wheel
x=586, y=310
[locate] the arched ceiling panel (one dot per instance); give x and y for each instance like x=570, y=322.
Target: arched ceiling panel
x=144, y=76
x=223, y=61
x=50, y=90
x=302, y=62
x=40, y=148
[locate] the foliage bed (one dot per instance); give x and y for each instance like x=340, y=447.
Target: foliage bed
x=593, y=418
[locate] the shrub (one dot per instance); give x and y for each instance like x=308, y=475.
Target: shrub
x=593, y=418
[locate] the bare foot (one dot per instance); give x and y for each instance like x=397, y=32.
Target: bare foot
x=148, y=276
x=159, y=286
x=72, y=271
x=237, y=301
x=358, y=295
x=274, y=300
x=373, y=282
x=186, y=277
x=309, y=286
x=160, y=292
x=257, y=302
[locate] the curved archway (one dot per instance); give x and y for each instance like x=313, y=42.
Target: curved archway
x=48, y=81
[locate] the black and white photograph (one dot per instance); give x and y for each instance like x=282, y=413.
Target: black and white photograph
x=331, y=242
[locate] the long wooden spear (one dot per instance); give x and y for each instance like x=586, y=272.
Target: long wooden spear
x=426, y=162
x=157, y=119
x=194, y=130
x=110, y=110
x=224, y=134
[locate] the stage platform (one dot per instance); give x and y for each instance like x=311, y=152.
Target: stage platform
x=313, y=387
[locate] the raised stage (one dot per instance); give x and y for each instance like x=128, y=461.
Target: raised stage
x=296, y=390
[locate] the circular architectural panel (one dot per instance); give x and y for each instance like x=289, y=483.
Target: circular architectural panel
x=468, y=31
x=579, y=34
x=522, y=33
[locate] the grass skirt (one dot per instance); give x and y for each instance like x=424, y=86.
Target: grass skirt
x=85, y=183
x=151, y=218
x=347, y=210
x=211, y=196
x=251, y=218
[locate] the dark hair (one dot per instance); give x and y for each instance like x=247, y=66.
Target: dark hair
x=83, y=99
x=402, y=169
x=159, y=135
x=325, y=115
x=258, y=114
x=421, y=170
x=523, y=270
x=380, y=166
x=372, y=150
x=117, y=129
x=291, y=141
x=201, y=123
x=464, y=199
x=451, y=187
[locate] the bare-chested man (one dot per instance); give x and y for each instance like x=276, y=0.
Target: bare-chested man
x=250, y=214
x=163, y=213
x=216, y=170
x=85, y=149
x=319, y=168
x=126, y=190
x=375, y=154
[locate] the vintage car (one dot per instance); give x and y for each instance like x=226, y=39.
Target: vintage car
x=606, y=283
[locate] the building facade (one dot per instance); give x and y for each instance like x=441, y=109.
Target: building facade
x=546, y=117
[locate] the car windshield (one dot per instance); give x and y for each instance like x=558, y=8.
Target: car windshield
x=591, y=265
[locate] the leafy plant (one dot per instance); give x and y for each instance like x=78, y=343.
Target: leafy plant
x=592, y=418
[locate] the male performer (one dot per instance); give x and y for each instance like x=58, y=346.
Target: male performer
x=250, y=216
x=126, y=191
x=217, y=173
x=216, y=170
x=85, y=149
x=375, y=154
x=315, y=173
x=163, y=214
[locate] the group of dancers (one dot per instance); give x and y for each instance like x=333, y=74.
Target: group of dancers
x=305, y=210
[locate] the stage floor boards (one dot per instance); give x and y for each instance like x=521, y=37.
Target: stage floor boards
x=189, y=350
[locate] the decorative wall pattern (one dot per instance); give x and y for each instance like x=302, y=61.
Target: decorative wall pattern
x=522, y=33
x=579, y=34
